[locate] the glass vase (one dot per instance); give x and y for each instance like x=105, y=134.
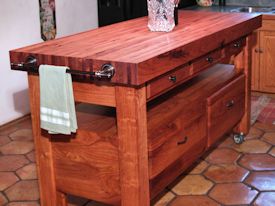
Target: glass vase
x=161, y=15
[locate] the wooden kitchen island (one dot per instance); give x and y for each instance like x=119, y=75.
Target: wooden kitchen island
x=168, y=100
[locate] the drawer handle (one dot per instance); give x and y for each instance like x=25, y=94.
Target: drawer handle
x=237, y=45
x=230, y=104
x=173, y=79
x=210, y=59
x=185, y=139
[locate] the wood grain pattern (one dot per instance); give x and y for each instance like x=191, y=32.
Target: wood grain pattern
x=107, y=160
x=61, y=199
x=255, y=74
x=262, y=57
x=99, y=94
x=132, y=144
x=207, y=61
x=267, y=62
x=267, y=25
x=268, y=17
x=243, y=62
x=45, y=169
x=225, y=109
x=173, y=171
x=166, y=82
x=176, y=114
x=90, y=158
x=138, y=54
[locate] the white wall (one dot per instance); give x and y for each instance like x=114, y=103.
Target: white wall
x=20, y=26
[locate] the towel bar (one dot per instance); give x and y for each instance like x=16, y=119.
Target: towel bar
x=107, y=70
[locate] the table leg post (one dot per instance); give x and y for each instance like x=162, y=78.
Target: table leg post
x=49, y=196
x=133, y=151
x=243, y=61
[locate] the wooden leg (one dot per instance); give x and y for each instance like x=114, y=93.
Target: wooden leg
x=243, y=62
x=61, y=199
x=48, y=194
x=133, y=151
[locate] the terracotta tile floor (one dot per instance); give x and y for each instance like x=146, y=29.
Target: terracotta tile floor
x=231, y=174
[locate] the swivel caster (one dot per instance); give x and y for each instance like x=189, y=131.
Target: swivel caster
x=238, y=138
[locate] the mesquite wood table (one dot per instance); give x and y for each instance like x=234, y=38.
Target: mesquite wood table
x=153, y=103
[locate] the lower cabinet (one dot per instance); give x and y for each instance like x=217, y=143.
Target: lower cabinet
x=181, y=124
x=225, y=109
x=185, y=122
x=263, y=61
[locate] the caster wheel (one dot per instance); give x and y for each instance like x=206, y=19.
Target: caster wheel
x=238, y=138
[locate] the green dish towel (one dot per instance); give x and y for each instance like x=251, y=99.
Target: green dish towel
x=57, y=108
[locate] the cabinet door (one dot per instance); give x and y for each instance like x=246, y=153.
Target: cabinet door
x=255, y=61
x=267, y=61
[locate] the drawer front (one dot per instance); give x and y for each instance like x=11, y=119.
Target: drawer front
x=207, y=61
x=191, y=135
x=235, y=47
x=225, y=109
x=168, y=81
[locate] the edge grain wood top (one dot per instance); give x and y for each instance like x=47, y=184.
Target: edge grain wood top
x=138, y=54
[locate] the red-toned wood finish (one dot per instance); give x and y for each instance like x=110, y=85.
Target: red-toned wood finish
x=138, y=54
x=44, y=156
x=118, y=155
x=225, y=108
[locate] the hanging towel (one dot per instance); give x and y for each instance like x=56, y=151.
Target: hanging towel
x=57, y=108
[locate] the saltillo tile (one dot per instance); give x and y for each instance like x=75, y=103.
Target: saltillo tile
x=31, y=156
x=263, y=181
x=228, y=142
x=265, y=199
x=193, y=200
x=12, y=162
x=3, y=199
x=199, y=168
x=7, y=179
x=226, y=173
x=254, y=133
x=17, y=147
x=265, y=127
x=4, y=140
x=23, y=204
x=253, y=146
x=272, y=152
x=258, y=162
x=28, y=172
x=164, y=200
x=223, y=156
x=269, y=137
x=192, y=185
x=23, y=191
x=22, y=135
x=233, y=194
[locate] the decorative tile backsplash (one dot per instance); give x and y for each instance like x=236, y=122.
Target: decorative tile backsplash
x=250, y=2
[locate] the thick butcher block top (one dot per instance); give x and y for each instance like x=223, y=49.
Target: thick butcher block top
x=138, y=54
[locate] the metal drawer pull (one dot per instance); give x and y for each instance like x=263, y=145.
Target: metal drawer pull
x=210, y=59
x=185, y=139
x=230, y=104
x=237, y=45
x=173, y=79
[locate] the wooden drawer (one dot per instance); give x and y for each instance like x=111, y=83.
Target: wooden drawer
x=207, y=61
x=225, y=109
x=183, y=136
x=235, y=47
x=168, y=81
